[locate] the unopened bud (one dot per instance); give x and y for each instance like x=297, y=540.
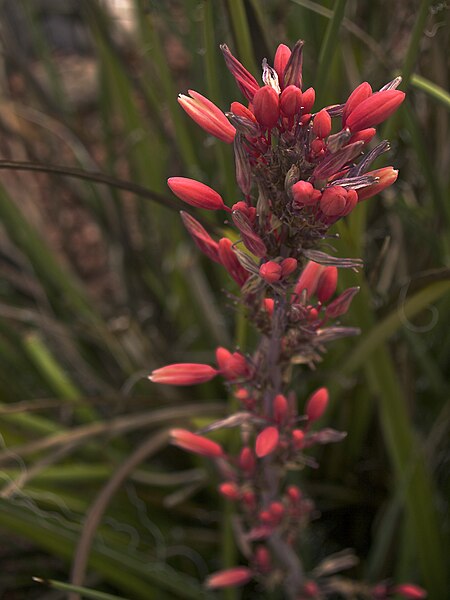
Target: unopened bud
x=317, y=404
x=270, y=271
x=280, y=61
x=308, y=99
x=291, y=101
x=288, y=266
x=359, y=94
x=375, y=109
x=298, y=438
x=322, y=124
x=327, y=284
x=266, y=106
x=334, y=201
x=303, y=194
x=280, y=408
x=230, y=490
x=266, y=441
x=234, y=577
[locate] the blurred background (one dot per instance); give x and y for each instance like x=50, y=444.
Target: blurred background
x=100, y=283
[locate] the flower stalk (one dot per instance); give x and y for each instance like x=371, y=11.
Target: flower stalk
x=299, y=173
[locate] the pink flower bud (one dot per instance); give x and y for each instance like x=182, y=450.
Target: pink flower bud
x=230, y=490
x=196, y=193
x=266, y=106
x=270, y=271
x=201, y=237
x=263, y=560
x=298, y=438
x=236, y=576
x=308, y=99
x=183, y=374
x=310, y=589
x=303, y=194
x=359, y=94
x=334, y=201
x=291, y=101
x=322, y=124
x=327, y=283
x=195, y=443
x=387, y=176
x=317, y=404
x=240, y=110
x=288, y=266
x=375, y=109
x=266, y=441
x=206, y=114
x=365, y=135
x=247, y=461
x=280, y=408
x=410, y=591
x=229, y=260
x=265, y=517
x=281, y=59
x=342, y=303
x=245, y=80
x=309, y=279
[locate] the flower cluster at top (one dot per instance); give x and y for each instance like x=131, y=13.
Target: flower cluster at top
x=299, y=173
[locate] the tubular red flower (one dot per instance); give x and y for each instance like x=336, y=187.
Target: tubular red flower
x=317, y=404
x=196, y=193
x=386, y=177
x=375, y=109
x=209, y=116
x=233, y=577
x=266, y=105
x=308, y=99
x=196, y=444
x=183, y=374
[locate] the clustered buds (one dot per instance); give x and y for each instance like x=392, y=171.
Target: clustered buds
x=299, y=173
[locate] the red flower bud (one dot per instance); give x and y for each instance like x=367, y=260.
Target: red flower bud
x=229, y=260
x=334, y=201
x=206, y=114
x=267, y=441
x=229, y=578
x=266, y=106
x=183, y=374
x=268, y=305
x=308, y=99
x=291, y=101
x=240, y=110
x=276, y=510
x=280, y=408
x=410, y=591
x=374, y=110
x=317, y=146
x=308, y=279
x=230, y=490
x=232, y=366
x=386, y=177
x=288, y=266
x=281, y=59
x=245, y=80
x=322, y=124
x=327, y=283
x=201, y=237
x=317, y=404
x=196, y=193
x=195, y=443
x=298, y=438
x=270, y=271
x=294, y=494
x=247, y=461
x=263, y=560
x=359, y=94
x=365, y=135
x=303, y=194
